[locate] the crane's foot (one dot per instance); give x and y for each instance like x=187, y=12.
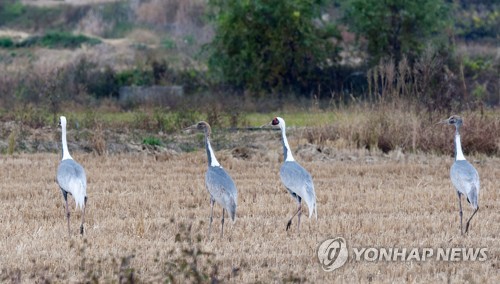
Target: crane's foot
x=288, y=225
x=467, y=228
x=222, y=229
x=81, y=229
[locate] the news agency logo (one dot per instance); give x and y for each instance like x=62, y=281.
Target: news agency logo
x=333, y=254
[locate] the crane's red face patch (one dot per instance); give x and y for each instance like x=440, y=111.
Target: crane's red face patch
x=275, y=121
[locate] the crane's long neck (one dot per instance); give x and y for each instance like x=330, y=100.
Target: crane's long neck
x=459, y=155
x=65, y=151
x=286, y=148
x=212, y=161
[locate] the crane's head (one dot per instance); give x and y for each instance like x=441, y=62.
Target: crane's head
x=277, y=121
x=453, y=120
x=62, y=121
x=201, y=126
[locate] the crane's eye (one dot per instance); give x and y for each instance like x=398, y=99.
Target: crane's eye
x=275, y=121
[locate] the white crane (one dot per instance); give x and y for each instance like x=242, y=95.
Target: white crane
x=295, y=178
x=219, y=184
x=71, y=178
x=463, y=175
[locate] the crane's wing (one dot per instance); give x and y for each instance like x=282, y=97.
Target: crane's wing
x=72, y=179
x=222, y=188
x=298, y=181
x=466, y=180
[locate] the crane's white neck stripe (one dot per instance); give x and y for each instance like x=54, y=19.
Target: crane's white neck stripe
x=66, y=154
x=289, y=156
x=213, y=160
x=458, y=149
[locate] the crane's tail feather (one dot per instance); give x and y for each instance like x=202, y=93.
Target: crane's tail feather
x=316, y=210
x=79, y=192
x=472, y=198
x=231, y=209
x=313, y=210
x=311, y=204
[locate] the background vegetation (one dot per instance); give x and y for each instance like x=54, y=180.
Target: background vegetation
x=237, y=59
x=271, y=46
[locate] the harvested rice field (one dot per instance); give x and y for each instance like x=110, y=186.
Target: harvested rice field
x=147, y=220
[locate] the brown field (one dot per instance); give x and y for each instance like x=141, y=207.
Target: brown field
x=146, y=216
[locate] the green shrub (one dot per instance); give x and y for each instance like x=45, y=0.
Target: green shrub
x=473, y=66
x=151, y=141
x=189, y=40
x=168, y=43
x=10, y=10
x=478, y=21
x=6, y=42
x=397, y=27
x=102, y=83
x=12, y=143
x=134, y=77
x=59, y=40
x=66, y=40
x=270, y=45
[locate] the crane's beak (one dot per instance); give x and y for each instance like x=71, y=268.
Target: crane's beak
x=190, y=129
x=266, y=125
x=444, y=121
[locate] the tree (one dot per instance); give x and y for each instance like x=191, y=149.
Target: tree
x=396, y=27
x=270, y=45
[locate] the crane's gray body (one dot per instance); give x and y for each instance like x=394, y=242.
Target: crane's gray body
x=299, y=183
x=71, y=179
x=466, y=180
x=222, y=189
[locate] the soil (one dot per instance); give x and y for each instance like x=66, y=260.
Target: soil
x=241, y=144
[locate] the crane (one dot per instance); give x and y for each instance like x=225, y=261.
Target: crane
x=463, y=175
x=71, y=178
x=295, y=178
x=218, y=182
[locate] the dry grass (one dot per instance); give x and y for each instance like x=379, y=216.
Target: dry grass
x=401, y=127
x=170, y=12
x=145, y=217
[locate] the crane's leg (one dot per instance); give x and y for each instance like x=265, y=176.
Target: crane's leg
x=212, y=201
x=83, y=215
x=222, y=231
x=467, y=225
x=299, y=209
x=460, y=212
x=65, y=195
x=298, y=216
